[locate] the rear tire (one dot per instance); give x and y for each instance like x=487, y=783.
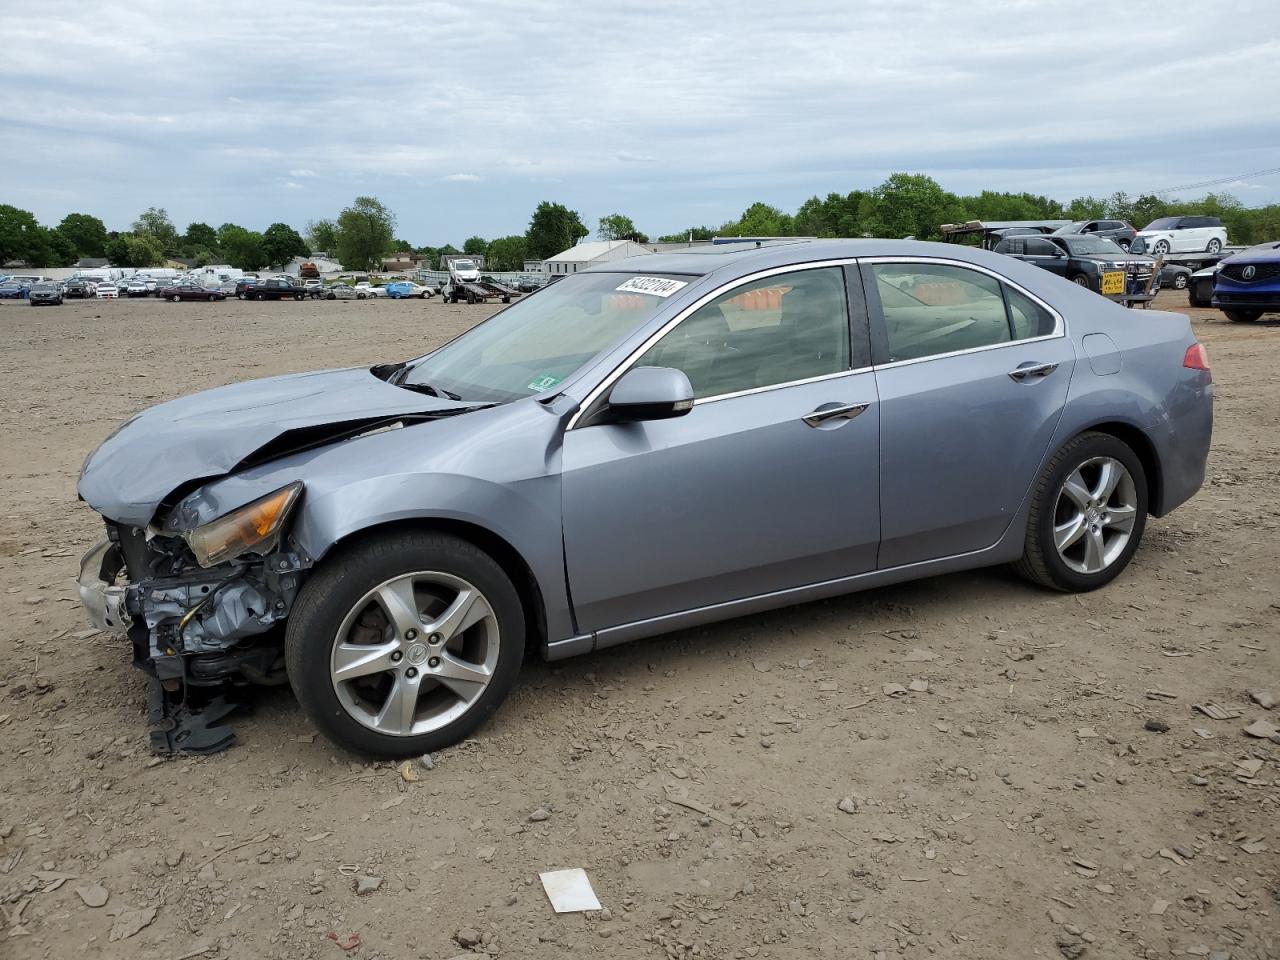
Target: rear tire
x=335, y=596
x=1214, y=245
x=1080, y=280
x=1098, y=526
x=175, y=298
x=1180, y=281
x=1242, y=316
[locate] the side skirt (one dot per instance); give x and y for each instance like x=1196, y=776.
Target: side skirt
x=1005, y=550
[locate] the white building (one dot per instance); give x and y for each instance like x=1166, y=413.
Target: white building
x=588, y=254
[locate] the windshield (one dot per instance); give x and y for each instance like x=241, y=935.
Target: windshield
x=1069, y=228
x=537, y=342
x=45, y=287
x=1164, y=223
x=1091, y=246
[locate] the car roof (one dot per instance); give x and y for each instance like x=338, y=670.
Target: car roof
x=735, y=261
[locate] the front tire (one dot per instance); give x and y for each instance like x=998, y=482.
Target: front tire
x=1162, y=246
x=404, y=643
x=1180, y=281
x=1088, y=513
x=1080, y=280
x=1242, y=316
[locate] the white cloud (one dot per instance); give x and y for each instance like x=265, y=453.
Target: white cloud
x=291, y=185
x=303, y=172
x=461, y=178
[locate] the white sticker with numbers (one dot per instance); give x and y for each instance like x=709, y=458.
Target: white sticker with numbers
x=654, y=286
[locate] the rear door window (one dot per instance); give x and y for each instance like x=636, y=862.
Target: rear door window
x=931, y=309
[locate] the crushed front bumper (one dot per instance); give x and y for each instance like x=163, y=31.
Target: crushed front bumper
x=103, y=598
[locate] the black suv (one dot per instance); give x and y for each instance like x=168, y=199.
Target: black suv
x=275, y=289
x=1119, y=231
x=1091, y=262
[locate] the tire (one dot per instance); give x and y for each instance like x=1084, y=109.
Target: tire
x=239, y=296
x=1082, y=459
x=1242, y=316
x=1214, y=246
x=298, y=297
x=1162, y=246
x=259, y=297
x=1180, y=281
x=176, y=299
x=331, y=297
x=1081, y=280
x=338, y=603
x=426, y=295
x=1124, y=245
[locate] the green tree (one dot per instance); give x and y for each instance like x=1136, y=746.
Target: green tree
x=506, y=253
x=199, y=236
x=154, y=222
x=1086, y=208
x=281, y=243
x=910, y=205
x=760, y=220
x=693, y=233
x=53, y=249
x=553, y=228
x=617, y=226
x=134, y=250
x=322, y=236
x=20, y=236
x=86, y=234
x=244, y=249
x=366, y=230
x=475, y=246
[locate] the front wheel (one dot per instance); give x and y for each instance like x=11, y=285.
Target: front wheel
x=1080, y=280
x=1242, y=316
x=175, y=298
x=1214, y=245
x=1161, y=247
x=1088, y=512
x=1180, y=281
x=405, y=643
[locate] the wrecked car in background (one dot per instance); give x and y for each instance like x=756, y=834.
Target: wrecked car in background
x=624, y=454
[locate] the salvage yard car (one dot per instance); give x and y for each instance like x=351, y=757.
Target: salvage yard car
x=190, y=291
x=1184, y=235
x=1091, y=262
x=646, y=445
x=1247, y=285
x=45, y=294
x=275, y=288
x=14, y=289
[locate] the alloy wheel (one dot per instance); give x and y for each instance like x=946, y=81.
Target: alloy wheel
x=1095, y=515
x=415, y=653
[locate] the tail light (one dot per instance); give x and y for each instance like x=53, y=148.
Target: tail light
x=1197, y=358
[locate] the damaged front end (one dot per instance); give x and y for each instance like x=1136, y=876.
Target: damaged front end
x=203, y=604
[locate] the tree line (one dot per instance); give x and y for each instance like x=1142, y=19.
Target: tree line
x=362, y=234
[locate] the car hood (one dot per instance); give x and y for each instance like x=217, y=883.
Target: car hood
x=176, y=445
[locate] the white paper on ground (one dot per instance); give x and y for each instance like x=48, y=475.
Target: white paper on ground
x=569, y=890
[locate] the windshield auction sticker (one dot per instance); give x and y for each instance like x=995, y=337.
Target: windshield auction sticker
x=654, y=286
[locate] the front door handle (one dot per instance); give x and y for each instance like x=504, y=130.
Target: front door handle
x=838, y=411
x=1032, y=371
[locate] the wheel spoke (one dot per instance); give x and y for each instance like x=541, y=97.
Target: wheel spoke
x=1093, y=551
x=352, y=660
x=397, y=714
x=463, y=678
x=1065, y=534
x=1077, y=490
x=397, y=599
x=468, y=609
x=1109, y=475
x=1121, y=518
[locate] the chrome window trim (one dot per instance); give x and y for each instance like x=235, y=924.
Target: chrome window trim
x=1059, y=322
x=702, y=301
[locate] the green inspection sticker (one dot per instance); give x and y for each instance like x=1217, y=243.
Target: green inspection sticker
x=544, y=382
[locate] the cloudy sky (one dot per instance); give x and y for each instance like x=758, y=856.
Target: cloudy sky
x=462, y=117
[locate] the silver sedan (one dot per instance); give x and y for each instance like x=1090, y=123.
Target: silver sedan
x=644, y=446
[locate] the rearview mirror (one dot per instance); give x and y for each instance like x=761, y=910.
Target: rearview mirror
x=650, y=393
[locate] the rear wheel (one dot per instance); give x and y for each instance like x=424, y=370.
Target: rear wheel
x=405, y=643
x=1180, y=281
x=1080, y=280
x=1214, y=245
x=1242, y=316
x=175, y=298
x=1088, y=512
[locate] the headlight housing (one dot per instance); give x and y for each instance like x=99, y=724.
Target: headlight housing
x=254, y=527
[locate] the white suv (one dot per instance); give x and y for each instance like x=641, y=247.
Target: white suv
x=1184, y=235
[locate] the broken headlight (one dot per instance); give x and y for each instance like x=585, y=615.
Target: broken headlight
x=254, y=527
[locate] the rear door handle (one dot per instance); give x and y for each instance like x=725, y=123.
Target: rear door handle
x=838, y=411
x=1032, y=371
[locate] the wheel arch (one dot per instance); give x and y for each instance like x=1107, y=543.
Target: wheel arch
x=503, y=552
x=1136, y=440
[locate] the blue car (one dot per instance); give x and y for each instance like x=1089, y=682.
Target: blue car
x=404, y=289
x=14, y=290
x=1248, y=284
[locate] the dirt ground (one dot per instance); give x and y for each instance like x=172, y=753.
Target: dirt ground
x=1016, y=808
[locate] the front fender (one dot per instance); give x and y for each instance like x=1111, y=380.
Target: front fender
x=526, y=515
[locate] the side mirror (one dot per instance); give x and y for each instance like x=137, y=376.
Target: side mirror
x=650, y=393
